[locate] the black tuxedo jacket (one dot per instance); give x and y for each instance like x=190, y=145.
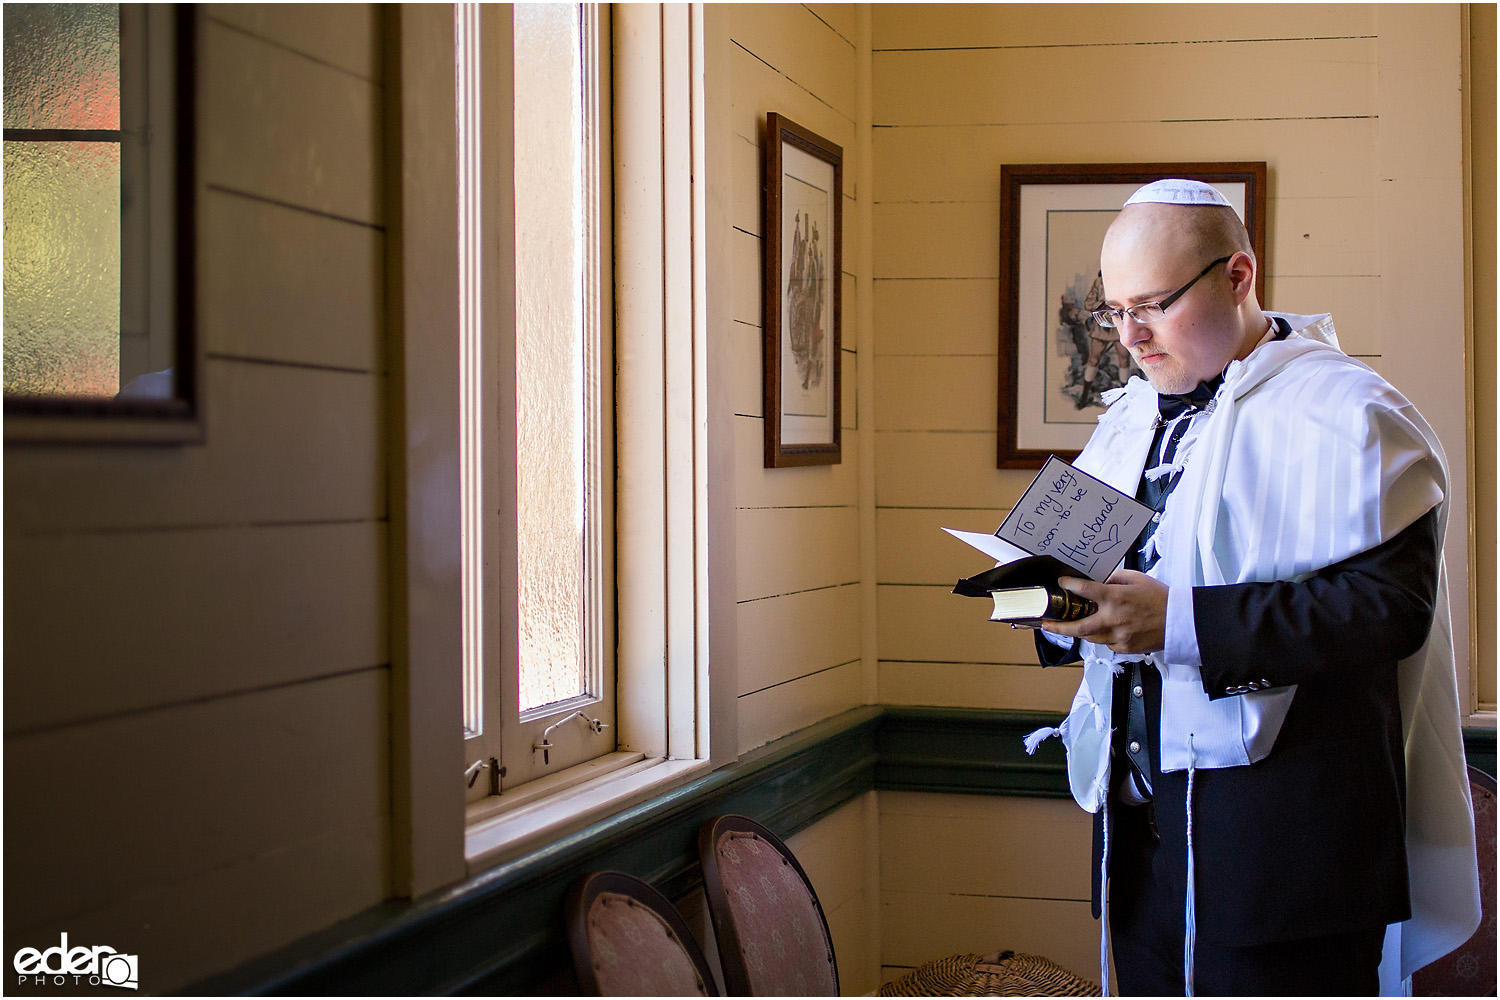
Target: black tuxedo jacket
x=1311, y=839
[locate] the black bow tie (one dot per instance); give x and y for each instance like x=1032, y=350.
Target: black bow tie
x=1172, y=406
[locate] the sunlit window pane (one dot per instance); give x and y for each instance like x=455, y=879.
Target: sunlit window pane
x=550, y=354
x=62, y=268
x=62, y=200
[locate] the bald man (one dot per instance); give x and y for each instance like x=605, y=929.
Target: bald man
x=1265, y=822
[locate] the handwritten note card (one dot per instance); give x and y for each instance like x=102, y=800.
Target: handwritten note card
x=1077, y=519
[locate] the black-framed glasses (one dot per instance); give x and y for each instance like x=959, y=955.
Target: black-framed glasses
x=1149, y=312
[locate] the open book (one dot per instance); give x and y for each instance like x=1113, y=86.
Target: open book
x=1067, y=523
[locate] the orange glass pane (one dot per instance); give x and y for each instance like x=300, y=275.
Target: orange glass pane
x=62, y=65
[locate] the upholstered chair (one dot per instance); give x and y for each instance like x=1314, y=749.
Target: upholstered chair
x=772, y=935
x=629, y=941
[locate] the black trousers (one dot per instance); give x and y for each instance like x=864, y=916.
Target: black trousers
x=1147, y=926
x=1338, y=965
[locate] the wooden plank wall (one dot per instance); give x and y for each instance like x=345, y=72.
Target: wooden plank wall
x=799, y=583
x=798, y=587
x=958, y=91
x=841, y=856
x=978, y=874
x=196, y=716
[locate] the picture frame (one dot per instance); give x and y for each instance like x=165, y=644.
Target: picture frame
x=802, y=237
x=1054, y=361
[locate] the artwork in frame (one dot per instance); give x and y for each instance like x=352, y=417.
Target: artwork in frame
x=1055, y=362
x=802, y=234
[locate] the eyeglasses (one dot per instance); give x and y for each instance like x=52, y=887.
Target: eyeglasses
x=1148, y=312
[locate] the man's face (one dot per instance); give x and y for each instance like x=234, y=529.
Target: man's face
x=1199, y=335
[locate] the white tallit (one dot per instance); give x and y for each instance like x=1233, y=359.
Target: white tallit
x=1328, y=461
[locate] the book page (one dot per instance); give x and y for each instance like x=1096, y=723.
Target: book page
x=997, y=549
x=1075, y=518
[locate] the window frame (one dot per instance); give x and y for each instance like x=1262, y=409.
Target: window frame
x=500, y=750
x=676, y=217
x=159, y=72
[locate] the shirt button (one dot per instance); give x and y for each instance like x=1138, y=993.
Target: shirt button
x=1135, y=746
x=1137, y=690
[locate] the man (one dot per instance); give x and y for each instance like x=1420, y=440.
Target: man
x=1267, y=729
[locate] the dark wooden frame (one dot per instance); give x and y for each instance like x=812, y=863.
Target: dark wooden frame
x=31, y=420
x=576, y=910
x=1013, y=177
x=781, y=131
x=726, y=934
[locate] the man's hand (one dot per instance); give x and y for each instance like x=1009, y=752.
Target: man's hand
x=1132, y=615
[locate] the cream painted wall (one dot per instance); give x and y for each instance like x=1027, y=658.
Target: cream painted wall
x=960, y=90
x=970, y=873
x=804, y=546
x=196, y=751
x=798, y=574
x=841, y=856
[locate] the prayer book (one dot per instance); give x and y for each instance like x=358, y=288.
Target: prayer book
x=1025, y=590
x=1031, y=605
x=1067, y=523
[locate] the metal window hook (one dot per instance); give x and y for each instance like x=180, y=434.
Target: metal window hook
x=594, y=725
x=472, y=771
x=496, y=773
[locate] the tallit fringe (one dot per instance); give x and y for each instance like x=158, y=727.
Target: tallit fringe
x=1104, y=905
x=1190, y=935
x=1036, y=739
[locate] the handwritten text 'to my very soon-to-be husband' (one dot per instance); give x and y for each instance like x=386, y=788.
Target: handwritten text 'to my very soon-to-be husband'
x=1075, y=518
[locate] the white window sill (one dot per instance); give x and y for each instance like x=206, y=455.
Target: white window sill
x=500, y=831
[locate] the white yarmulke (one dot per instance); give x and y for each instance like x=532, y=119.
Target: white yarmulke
x=1177, y=191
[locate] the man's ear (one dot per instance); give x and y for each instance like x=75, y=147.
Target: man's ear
x=1241, y=270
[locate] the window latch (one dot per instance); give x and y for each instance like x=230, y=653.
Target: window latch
x=496, y=773
x=594, y=726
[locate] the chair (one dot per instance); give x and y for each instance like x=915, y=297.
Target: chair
x=1469, y=970
x=772, y=935
x=628, y=940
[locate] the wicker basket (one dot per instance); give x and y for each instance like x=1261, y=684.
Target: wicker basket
x=1005, y=974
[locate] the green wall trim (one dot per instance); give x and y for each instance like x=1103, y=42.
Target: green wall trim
x=1479, y=748
x=972, y=751
x=501, y=932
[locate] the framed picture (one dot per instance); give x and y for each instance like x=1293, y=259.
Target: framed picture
x=802, y=232
x=1055, y=362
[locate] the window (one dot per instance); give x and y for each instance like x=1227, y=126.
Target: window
x=620, y=422
x=97, y=214
x=541, y=699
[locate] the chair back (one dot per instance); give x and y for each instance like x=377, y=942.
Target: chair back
x=772, y=935
x=629, y=941
x=1469, y=970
